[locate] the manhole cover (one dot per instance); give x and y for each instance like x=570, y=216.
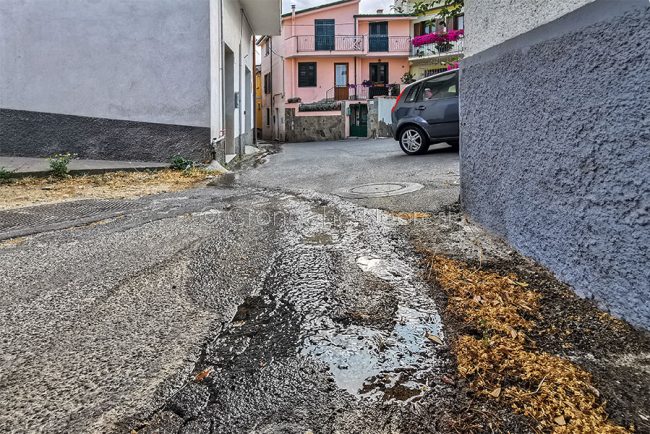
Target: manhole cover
x=378, y=190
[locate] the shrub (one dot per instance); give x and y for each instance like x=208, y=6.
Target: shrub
x=5, y=175
x=182, y=163
x=59, y=164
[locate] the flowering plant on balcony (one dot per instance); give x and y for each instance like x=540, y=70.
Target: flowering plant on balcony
x=452, y=65
x=366, y=83
x=443, y=38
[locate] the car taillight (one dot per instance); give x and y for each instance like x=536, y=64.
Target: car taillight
x=397, y=100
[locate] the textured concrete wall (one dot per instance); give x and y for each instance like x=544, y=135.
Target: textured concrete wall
x=31, y=134
x=491, y=22
x=136, y=60
x=313, y=128
x=555, y=153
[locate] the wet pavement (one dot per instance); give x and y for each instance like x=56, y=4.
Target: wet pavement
x=261, y=303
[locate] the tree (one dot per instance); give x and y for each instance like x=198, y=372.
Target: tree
x=450, y=8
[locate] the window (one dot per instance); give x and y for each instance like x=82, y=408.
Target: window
x=378, y=37
x=268, y=117
x=267, y=83
x=444, y=86
x=324, y=30
x=267, y=48
x=307, y=74
x=413, y=92
x=379, y=73
x=459, y=22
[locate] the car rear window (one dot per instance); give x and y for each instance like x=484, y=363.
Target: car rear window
x=412, y=93
x=443, y=86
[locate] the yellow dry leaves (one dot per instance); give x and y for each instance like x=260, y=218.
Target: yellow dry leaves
x=487, y=300
x=505, y=364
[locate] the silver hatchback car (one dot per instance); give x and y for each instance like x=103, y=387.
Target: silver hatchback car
x=426, y=112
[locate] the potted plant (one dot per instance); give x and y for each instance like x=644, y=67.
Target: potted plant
x=408, y=78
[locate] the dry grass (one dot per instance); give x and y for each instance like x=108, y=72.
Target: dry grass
x=13, y=242
x=504, y=364
x=115, y=185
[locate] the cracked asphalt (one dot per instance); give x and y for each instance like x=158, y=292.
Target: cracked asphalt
x=304, y=309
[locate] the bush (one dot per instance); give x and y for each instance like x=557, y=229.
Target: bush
x=181, y=163
x=59, y=164
x=5, y=175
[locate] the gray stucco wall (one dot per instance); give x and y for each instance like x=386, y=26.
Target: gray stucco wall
x=31, y=134
x=137, y=60
x=555, y=151
x=491, y=22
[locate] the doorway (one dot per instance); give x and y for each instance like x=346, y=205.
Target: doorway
x=248, y=108
x=378, y=38
x=379, y=79
x=358, y=120
x=341, y=80
x=229, y=99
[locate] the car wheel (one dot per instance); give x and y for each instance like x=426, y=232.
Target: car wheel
x=413, y=141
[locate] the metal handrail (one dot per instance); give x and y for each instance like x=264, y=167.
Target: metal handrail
x=455, y=47
x=307, y=43
x=385, y=43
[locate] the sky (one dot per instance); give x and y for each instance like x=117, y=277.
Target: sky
x=367, y=6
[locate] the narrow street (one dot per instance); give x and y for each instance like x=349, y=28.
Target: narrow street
x=281, y=298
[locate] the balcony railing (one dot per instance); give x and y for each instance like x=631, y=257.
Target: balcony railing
x=359, y=92
x=308, y=43
x=383, y=43
x=428, y=50
x=358, y=43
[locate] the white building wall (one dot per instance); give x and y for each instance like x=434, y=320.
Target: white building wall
x=229, y=96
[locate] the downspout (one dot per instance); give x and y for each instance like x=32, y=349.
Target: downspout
x=242, y=119
x=222, y=122
x=356, y=92
x=254, y=87
x=273, y=120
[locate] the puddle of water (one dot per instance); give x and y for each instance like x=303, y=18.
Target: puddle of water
x=356, y=355
x=363, y=360
x=319, y=238
x=380, y=268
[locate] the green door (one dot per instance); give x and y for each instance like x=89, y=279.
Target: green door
x=359, y=120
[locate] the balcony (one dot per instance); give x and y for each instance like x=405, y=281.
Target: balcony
x=309, y=43
x=361, y=92
x=388, y=44
x=432, y=50
x=353, y=44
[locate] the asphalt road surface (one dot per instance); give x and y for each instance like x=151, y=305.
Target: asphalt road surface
x=302, y=309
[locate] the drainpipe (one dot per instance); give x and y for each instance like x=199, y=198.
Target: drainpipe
x=356, y=88
x=254, y=87
x=222, y=123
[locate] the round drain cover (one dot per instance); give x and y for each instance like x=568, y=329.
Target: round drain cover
x=378, y=190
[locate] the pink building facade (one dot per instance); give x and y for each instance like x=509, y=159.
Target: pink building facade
x=331, y=53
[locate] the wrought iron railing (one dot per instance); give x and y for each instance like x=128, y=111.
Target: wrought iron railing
x=360, y=92
x=307, y=43
x=376, y=43
x=385, y=43
x=426, y=50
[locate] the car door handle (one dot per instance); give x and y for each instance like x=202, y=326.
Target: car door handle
x=421, y=108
